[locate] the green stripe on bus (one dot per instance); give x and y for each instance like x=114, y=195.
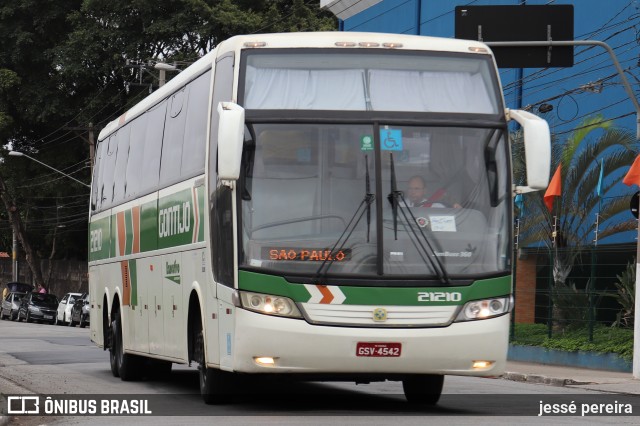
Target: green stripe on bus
x=200, y=193
x=149, y=226
x=128, y=221
x=164, y=223
x=361, y=295
x=112, y=235
x=133, y=272
x=99, y=239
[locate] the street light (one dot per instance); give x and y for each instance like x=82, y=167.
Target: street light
x=163, y=68
x=21, y=154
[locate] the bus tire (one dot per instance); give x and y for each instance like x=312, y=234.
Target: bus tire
x=128, y=365
x=113, y=357
x=423, y=389
x=214, y=384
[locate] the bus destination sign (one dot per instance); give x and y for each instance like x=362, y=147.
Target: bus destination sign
x=305, y=254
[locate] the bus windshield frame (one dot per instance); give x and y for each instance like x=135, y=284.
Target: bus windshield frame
x=311, y=167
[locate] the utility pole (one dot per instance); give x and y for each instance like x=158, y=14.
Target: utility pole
x=90, y=139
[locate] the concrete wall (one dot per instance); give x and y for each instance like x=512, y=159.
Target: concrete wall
x=67, y=275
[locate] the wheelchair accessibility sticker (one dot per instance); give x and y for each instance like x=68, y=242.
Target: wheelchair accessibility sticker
x=391, y=139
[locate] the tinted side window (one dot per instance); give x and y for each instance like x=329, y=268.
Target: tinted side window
x=108, y=170
x=195, y=132
x=96, y=188
x=120, y=182
x=223, y=236
x=173, y=137
x=136, y=156
x=153, y=147
x=221, y=206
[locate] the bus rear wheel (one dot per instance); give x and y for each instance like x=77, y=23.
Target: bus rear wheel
x=125, y=366
x=423, y=389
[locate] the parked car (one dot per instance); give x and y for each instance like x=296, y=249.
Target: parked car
x=19, y=287
x=38, y=307
x=63, y=313
x=80, y=311
x=10, y=305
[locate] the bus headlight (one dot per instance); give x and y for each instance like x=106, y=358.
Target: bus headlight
x=484, y=309
x=270, y=305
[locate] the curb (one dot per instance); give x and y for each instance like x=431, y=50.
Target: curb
x=538, y=379
x=580, y=359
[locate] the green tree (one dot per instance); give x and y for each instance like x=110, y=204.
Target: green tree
x=63, y=65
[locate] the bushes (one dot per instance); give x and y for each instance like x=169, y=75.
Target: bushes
x=605, y=339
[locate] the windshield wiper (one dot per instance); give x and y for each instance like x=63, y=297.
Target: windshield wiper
x=396, y=198
x=364, y=206
x=368, y=195
x=393, y=197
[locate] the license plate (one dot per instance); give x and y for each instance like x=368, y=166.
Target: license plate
x=378, y=349
x=48, y=317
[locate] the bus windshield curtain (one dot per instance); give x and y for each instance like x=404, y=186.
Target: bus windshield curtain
x=389, y=90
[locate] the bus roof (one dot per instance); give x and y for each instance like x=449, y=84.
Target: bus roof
x=335, y=39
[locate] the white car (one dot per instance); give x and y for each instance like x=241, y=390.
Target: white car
x=63, y=314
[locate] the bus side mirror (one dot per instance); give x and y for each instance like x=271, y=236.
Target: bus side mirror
x=537, y=149
x=230, y=138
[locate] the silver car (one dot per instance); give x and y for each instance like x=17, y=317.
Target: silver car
x=10, y=305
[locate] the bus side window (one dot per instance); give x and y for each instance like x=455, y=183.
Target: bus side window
x=173, y=137
x=136, y=156
x=196, y=127
x=108, y=170
x=120, y=182
x=152, y=148
x=222, y=230
x=97, y=175
x=222, y=238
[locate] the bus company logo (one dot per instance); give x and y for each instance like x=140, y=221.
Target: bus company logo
x=439, y=296
x=172, y=271
x=379, y=314
x=174, y=220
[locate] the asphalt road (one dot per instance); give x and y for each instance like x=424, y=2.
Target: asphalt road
x=61, y=362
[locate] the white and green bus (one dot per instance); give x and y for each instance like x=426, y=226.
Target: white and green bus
x=252, y=216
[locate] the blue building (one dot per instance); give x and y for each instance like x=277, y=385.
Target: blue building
x=565, y=97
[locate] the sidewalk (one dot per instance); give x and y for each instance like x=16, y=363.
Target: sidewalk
x=597, y=380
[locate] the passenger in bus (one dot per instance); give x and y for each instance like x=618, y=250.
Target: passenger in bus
x=417, y=195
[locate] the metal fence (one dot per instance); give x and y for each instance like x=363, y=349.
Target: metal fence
x=576, y=290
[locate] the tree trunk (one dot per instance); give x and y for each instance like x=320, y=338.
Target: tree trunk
x=18, y=228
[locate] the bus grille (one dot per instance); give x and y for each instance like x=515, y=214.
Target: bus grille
x=363, y=315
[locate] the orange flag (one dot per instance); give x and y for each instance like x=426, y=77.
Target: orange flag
x=633, y=175
x=554, y=188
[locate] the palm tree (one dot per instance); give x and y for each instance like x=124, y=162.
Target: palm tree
x=595, y=143
x=576, y=208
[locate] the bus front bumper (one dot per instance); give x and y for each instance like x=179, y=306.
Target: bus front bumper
x=301, y=348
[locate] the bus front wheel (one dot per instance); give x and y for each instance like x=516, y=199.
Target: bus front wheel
x=423, y=389
x=215, y=384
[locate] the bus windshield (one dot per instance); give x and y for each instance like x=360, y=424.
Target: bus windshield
x=375, y=199
x=298, y=79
